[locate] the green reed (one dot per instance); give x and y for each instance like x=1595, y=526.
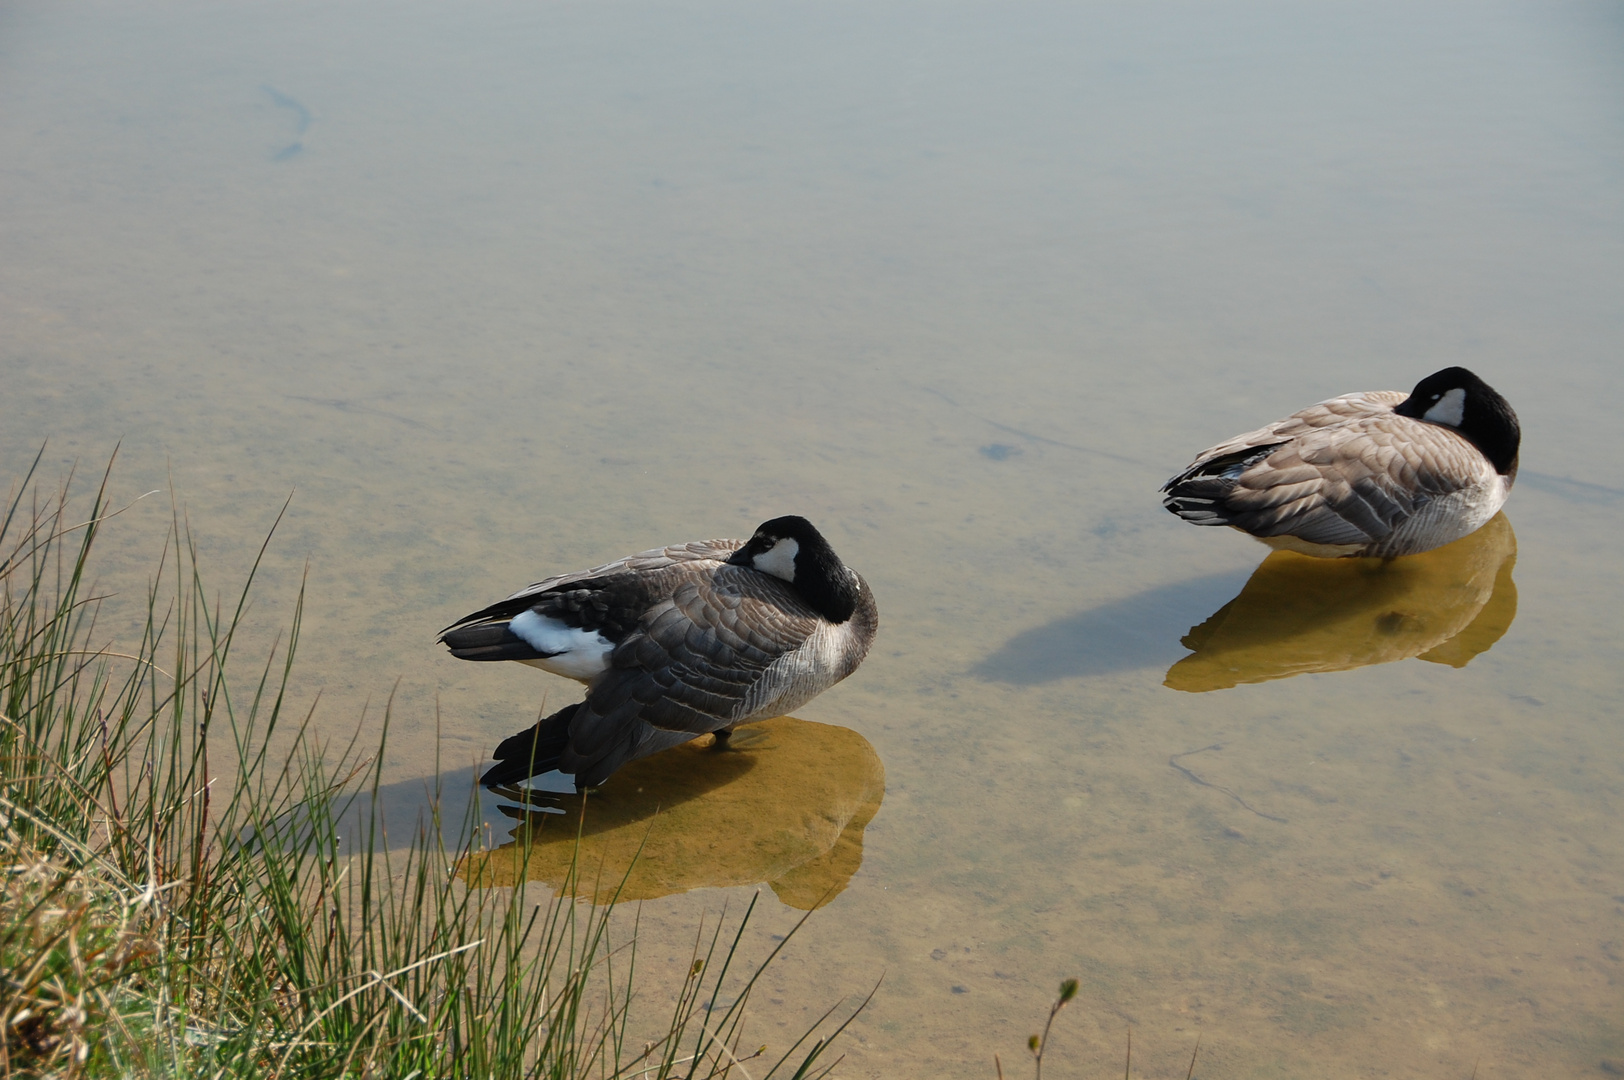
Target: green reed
x=157, y=919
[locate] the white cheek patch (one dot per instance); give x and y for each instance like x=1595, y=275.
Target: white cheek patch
x=779, y=561
x=572, y=653
x=1449, y=410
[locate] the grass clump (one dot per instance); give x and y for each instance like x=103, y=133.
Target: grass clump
x=157, y=918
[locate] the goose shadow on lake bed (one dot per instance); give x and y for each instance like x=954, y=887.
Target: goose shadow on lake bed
x=1138, y=631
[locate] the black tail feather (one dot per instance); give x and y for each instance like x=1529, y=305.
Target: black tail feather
x=1200, y=502
x=488, y=641
x=1199, y=493
x=531, y=752
x=498, y=613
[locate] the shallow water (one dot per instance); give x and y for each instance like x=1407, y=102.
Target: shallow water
x=511, y=290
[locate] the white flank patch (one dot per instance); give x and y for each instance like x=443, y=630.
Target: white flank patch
x=575, y=654
x=779, y=561
x=1449, y=410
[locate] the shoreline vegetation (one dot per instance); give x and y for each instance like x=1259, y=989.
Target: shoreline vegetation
x=157, y=919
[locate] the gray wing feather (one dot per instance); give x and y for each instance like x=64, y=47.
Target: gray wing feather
x=644, y=562
x=1328, y=413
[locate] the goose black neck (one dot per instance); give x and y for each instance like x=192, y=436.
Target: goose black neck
x=824, y=582
x=1492, y=428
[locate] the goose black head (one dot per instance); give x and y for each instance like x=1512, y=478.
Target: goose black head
x=791, y=549
x=1454, y=397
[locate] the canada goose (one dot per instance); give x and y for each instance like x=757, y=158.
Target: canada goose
x=673, y=643
x=1374, y=474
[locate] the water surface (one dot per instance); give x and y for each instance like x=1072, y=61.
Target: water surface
x=502, y=290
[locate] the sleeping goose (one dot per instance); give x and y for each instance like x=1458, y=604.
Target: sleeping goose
x=673, y=643
x=1374, y=474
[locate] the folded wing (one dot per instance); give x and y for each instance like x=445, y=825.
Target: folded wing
x=703, y=659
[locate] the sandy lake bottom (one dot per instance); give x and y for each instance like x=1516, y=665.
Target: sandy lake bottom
x=507, y=291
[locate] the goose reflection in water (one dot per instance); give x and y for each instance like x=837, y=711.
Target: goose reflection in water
x=786, y=803
x=1299, y=614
